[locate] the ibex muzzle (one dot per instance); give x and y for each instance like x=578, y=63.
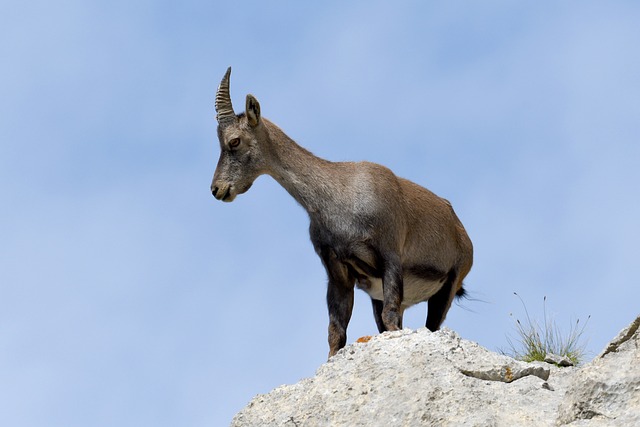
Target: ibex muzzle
x=386, y=235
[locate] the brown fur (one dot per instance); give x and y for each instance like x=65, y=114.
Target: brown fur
x=394, y=239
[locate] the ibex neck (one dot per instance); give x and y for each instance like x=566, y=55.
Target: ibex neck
x=305, y=176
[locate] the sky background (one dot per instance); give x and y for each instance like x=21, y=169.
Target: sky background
x=129, y=296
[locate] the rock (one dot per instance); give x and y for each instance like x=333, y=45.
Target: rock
x=414, y=378
x=558, y=360
x=408, y=378
x=607, y=391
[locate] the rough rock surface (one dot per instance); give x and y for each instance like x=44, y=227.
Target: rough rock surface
x=410, y=378
x=607, y=391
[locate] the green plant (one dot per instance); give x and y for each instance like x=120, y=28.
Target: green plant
x=535, y=341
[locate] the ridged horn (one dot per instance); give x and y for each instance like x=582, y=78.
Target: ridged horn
x=223, y=101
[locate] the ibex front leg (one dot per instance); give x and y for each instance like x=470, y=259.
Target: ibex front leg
x=339, y=300
x=378, y=306
x=392, y=290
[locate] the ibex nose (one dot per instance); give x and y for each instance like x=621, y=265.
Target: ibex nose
x=221, y=191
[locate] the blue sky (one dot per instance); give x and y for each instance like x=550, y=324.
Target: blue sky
x=129, y=296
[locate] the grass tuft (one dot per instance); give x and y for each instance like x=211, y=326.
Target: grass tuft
x=535, y=341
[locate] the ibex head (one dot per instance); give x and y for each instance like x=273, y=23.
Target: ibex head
x=242, y=138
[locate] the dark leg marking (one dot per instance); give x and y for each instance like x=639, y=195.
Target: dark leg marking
x=339, y=299
x=392, y=290
x=340, y=305
x=377, y=314
x=440, y=302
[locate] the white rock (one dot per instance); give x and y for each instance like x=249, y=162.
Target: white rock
x=607, y=391
x=409, y=378
x=420, y=378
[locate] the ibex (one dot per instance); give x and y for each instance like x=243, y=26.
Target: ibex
x=394, y=239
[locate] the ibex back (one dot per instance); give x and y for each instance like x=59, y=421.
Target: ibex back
x=392, y=238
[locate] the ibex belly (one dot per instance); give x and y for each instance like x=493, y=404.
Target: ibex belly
x=415, y=289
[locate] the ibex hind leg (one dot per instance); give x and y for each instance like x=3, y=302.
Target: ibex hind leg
x=440, y=302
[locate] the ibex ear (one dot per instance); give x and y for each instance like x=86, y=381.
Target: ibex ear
x=253, y=110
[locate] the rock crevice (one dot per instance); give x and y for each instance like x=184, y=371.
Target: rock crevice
x=507, y=374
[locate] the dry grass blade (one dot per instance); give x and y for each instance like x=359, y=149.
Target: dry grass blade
x=535, y=341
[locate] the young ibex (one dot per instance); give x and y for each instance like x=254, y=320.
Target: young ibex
x=392, y=238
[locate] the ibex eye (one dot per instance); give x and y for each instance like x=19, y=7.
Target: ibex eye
x=234, y=142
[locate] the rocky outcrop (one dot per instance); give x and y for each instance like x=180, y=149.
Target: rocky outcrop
x=606, y=392
x=411, y=378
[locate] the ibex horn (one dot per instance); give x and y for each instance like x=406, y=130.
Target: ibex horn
x=223, y=101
